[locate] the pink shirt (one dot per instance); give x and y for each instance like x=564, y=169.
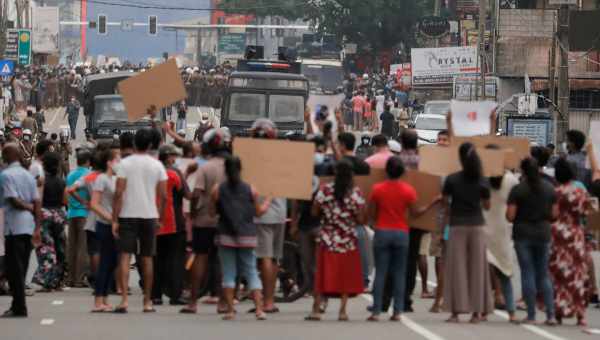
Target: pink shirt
x=378, y=160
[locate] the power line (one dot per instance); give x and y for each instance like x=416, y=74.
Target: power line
x=140, y=5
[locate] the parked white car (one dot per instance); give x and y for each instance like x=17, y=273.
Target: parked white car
x=428, y=126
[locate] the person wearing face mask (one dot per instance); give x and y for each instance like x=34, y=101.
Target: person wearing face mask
x=364, y=150
x=26, y=146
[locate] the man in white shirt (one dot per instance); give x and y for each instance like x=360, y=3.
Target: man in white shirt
x=138, y=204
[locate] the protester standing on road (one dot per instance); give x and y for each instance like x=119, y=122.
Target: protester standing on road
x=22, y=225
x=138, y=205
x=236, y=203
x=50, y=270
x=568, y=254
x=182, y=110
x=77, y=214
x=72, y=112
x=499, y=239
x=389, y=203
x=204, y=224
x=467, y=278
x=341, y=207
x=271, y=229
x=532, y=205
x=103, y=190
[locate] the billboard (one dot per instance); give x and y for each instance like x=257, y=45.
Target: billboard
x=45, y=30
x=223, y=18
x=232, y=43
x=432, y=66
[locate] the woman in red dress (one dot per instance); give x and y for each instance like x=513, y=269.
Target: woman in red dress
x=341, y=208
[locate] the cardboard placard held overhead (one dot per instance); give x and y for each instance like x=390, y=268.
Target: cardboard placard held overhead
x=160, y=86
x=443, y=161
x=515, y=148
x=471, y=118
x=428, y=188
x=277, y=168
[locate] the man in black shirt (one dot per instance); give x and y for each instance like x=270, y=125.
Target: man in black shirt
x=387, y=122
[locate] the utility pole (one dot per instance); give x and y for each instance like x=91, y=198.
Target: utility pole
x=562, y=124
x=437, y=9
x=482, y=20
x=552, y=86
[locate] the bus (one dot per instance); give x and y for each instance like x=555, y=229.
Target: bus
x=262, y=89
x=325, y=76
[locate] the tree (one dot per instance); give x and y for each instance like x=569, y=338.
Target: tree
x=378, y=24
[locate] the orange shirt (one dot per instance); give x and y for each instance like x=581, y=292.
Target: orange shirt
x=167, y=224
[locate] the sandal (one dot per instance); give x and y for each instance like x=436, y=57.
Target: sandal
x=313, y=317
x=261, y=316
x=343, y=318
x=435, y=309
x=187, y=310
x=582, y=323
x=373, y=318
x=228, y=317
x=120, y=310
x=427, y=295
x=453, y=319
x=149, y=310
x=550, y=323
x=396, y=318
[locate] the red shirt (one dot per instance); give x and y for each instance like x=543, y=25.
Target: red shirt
x=392, y=199
x=167, y=224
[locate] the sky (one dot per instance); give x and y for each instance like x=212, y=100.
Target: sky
x=137, y=45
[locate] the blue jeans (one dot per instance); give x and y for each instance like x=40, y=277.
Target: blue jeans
x=507, y=290
x=242, y=261
x=108, y=259
x=533, y=259
x=180, y=124
x=391, y=254
x=361, y=233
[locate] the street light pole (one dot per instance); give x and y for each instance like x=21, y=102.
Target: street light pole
x=482, y=20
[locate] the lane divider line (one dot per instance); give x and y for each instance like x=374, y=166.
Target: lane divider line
x=47, y=322
x=58, y=302
x=415, y=327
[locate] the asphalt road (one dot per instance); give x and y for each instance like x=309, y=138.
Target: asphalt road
x=65, y=315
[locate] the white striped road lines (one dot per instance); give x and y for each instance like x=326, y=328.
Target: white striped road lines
x=415, y=327
x=47, y=322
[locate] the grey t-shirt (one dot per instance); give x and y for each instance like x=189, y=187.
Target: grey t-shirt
x=466, y=196
x=276, y=214
x=105, y=185
x=534, y=211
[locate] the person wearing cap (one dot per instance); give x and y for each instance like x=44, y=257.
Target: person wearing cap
x=270, y=228
x=26, y=146
x=394, y=147
x=139, y=202
x=29, y=123
x=204, y=225
x=181, y=123
x=166, y=234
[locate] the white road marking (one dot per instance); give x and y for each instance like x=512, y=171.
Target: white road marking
x=58, y=302
x=47, y=322
x=534, y=329
x=415, y=327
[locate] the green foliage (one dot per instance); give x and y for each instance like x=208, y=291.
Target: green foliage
x=378, y=24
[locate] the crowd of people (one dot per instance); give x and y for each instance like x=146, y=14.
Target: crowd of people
x=182, y=210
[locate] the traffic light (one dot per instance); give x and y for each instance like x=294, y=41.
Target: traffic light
x=102, y=24
x=152, y=20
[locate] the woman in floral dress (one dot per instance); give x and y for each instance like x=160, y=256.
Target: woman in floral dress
x=341, y=207
x=50, y=272
x=568, y=265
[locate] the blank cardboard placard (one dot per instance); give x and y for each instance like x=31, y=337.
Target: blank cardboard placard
x=443, y=161
x=160, y=86
x=471, y=118
x=428, y=187
x=277, y=168
x=595, y=137
x=516, y=148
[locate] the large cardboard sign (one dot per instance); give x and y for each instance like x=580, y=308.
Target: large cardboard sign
x=443, y=161
x=515, y=148
x=277, y=168
x=160, y=86
x=428, y=187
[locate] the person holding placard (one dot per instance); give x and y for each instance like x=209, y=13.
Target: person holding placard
x=389, y=202
x=467, y=280
x=499, y=238
x=341, y=207
x=531, y=207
